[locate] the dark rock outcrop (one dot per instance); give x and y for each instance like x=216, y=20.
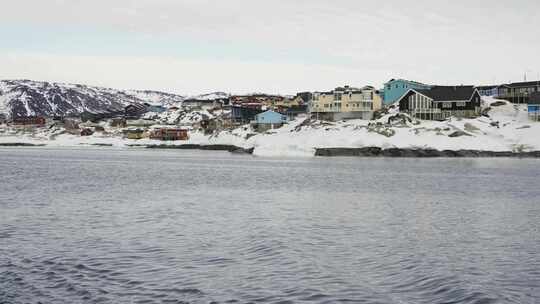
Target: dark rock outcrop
x=398, y=152
x=229, y=148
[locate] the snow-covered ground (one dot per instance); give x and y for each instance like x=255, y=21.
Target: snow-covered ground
x=506, y=129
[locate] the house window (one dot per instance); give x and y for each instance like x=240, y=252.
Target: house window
x=337, y=96
x=460, y=104
x=447, y=105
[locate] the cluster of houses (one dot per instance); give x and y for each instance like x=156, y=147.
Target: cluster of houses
x=264, y=112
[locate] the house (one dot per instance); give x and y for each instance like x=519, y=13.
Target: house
x=169, y=133
x=261, y=99
x=38, y=121
x=395, y=88
x=441, y=102
x=269, y=120
x=244, y=113
x=533, y=107
x=344, y=103
x=136, y=133
x=294, y=111
x=135, y=110
x=489, y=90
x=518, y=92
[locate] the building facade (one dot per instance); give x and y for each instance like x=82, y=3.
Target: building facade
x=533, y=106
x=518, y=92
x=395, y=88
x=441, y=102
x=345, y=103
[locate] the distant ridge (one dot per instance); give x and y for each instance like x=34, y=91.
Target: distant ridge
x=28, y=97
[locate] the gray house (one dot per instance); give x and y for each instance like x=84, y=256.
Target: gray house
x=441, y=102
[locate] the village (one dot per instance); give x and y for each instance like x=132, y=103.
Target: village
x=260, y=114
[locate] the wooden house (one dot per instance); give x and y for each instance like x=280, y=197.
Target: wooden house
x=518, y=92
x=244, y=113
x=269, y=120
x=38, y=121
x=167, y=133
x=441, y=102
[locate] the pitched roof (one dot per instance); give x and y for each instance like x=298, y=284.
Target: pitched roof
x=448, y=93
x=487, y=87
x=524, y=84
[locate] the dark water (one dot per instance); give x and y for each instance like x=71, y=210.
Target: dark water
x=113, y=226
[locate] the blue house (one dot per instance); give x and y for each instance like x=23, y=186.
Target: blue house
x=533, y=106
x=395, y=88
x=270, y=117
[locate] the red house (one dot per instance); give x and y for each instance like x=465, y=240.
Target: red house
x=29, y=121
x=169, y=134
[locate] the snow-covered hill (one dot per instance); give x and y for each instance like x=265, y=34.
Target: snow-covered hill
x=211, y=96
x=27, y=97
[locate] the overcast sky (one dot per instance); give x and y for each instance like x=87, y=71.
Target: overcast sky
x=274, y=46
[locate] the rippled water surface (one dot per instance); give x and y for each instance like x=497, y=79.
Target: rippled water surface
x=137, y=226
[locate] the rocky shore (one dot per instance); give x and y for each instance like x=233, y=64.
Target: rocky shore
x=397, y=152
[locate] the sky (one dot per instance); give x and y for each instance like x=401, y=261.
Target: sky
x=272, y=46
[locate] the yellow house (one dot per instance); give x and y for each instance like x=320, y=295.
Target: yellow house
x=346, y=103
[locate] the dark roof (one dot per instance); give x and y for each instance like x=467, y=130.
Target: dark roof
x=405, y=80
x=449, y=93
x=534, y=98
x=524, y=84
x=487, y=87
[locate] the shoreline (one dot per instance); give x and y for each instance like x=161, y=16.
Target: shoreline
x=364, y=152
x=420, y=153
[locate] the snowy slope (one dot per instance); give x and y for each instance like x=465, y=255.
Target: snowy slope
x=26, y=97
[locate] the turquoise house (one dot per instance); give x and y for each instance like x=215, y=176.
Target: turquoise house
x=270, y=117
x=395, y=88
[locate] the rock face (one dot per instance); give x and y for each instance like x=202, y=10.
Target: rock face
x=20, y=98
x=397, y=152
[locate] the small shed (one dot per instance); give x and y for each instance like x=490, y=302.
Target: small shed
x=270, y=117
x=135, y=133
x=269, y=120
